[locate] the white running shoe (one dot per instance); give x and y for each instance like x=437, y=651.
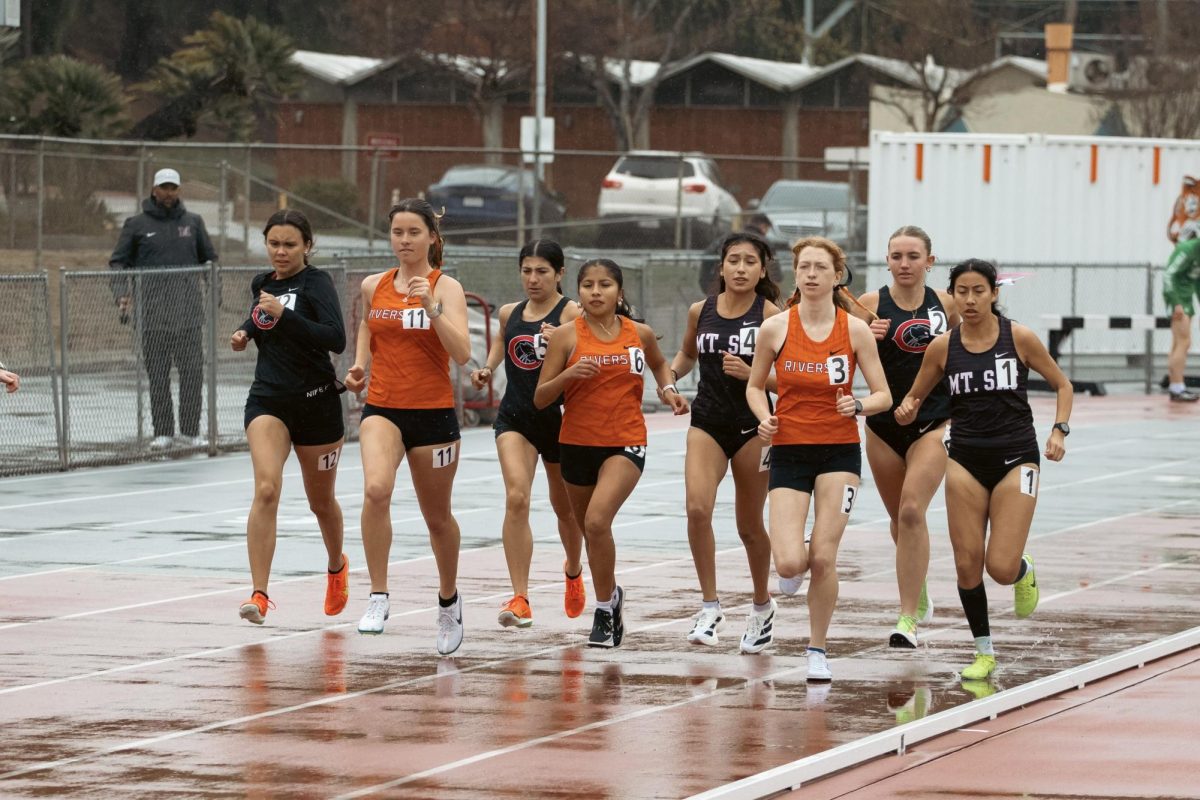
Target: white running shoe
x=924, y=606
x=760, y=627
x=161, y=442
x=791, y=586
x=818, y=667
x=376, y=614
x=708, y=622
x=450, y=627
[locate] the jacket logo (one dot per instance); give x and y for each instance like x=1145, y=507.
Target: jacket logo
x=262, y=319
x=185, y=230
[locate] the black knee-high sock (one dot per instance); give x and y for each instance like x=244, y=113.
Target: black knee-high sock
x=974, y=603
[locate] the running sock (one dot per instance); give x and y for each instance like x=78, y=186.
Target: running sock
x=1176, y=388
x=983, y=645
x=339, y=569
x=762, y=608
x=712, y=605
x=820, y=650
x=447, y=603
x=259, y=591
x=385, y=594
x=576, y=575
x=607, y=605
x=1021, y=572
x=974, y=603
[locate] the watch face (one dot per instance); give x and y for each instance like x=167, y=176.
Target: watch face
x=1064, y=427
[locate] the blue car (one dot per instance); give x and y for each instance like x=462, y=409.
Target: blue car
x=485, y=196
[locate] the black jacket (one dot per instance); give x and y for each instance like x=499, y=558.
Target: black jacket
x=161, y=237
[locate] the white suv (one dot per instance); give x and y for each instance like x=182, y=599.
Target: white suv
x=647, y=189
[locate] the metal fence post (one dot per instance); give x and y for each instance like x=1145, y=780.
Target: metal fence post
x=372, y=200
x=246, y=208
x=214, y=305
x=139, y=337
x=41, y=200
x=223, y=208
x=1074, y=285
x=64, y=321
x=679, y=204
x=1149, y=334
x=55, y=397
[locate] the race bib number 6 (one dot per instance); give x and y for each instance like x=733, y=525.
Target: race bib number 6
x=637, y=360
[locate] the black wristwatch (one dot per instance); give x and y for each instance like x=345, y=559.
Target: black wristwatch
x=1064, y=427
x=857, y=406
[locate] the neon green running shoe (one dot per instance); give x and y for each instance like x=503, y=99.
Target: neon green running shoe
x=909, y=708
x=924, y=606
x=1025, y=591
x=980, y=669
x=905, y=634
x=979, y=689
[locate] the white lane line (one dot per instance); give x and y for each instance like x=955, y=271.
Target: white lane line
x=77, y=567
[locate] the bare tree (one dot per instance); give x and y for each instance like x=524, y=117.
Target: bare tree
x=606, y=39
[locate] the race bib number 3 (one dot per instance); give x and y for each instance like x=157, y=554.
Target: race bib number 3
x=848, y=494
x=838, y=369
x=415, y=318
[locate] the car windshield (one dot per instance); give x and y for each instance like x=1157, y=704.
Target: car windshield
x=653, y=168
x=485, y=176
x=802, y=196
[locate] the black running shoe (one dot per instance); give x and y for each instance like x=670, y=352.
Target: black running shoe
x=619, y=618
x=602, y=630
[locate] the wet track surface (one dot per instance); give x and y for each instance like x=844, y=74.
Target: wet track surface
x=124, y=669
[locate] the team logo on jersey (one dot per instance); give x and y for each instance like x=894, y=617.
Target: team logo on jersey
x=913, y=335
x=527, y=351
x=262, y=319
x=185, y=231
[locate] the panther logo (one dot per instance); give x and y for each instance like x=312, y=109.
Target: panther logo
x=913, y=335
x=524, y=351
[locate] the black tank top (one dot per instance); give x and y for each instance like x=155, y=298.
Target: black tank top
x=902, y=349
x=524, y=351
x=721, y=399
x=988, y=403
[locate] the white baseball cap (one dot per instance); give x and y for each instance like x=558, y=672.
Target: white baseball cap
x=166, y=176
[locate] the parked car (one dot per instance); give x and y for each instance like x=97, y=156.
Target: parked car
x=810, y=208
x=485, y=195
x=647, y=189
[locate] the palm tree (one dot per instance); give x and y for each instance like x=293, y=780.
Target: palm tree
x=222, y=76
x=61, y=96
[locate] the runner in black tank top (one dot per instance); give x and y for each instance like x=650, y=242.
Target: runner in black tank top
x=993, y=476
x=523, y=433
x=908, y=462
x=720, y=337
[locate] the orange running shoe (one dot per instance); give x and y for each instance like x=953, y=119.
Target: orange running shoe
x=337, y=588
x=516, y=613
x=575, y=597
x=255, y=609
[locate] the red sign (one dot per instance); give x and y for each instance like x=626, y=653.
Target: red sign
x=380, y=140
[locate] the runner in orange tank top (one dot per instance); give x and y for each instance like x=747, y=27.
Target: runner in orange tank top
x=815, y=347
x=597, y=365
x=414, y=319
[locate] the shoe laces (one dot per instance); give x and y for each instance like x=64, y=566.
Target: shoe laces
x=907, y=624
x=446, y=621
x=376, y=607
x=605, y=620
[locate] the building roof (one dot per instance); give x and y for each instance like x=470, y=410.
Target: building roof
x=339, y=69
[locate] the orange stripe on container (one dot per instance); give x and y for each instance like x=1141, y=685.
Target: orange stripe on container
x=1095, y=159
x=1157, y=163
x=920, y=161
x=987, y=163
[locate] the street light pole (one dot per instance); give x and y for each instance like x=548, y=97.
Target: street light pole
x=539, y=113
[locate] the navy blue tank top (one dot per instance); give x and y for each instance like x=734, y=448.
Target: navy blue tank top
x=988, y=401
x=902, y=349
x=721, y=399
x=524, y=351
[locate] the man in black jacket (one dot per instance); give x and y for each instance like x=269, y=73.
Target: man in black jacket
x=169, y=308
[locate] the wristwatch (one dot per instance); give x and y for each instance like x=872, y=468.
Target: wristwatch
x=1064, y=427
x=857, y=406
x=436, y=311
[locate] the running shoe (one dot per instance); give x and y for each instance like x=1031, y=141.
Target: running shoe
x=1186, y=396
x=818, y=667
x=1025, y=591
x=708, y=622
x=516, y=613
x=904, y=637
x=619, y=617
x=760, y=629
x=980, y=669
x=910, y=706
x=791, y=586
x=376, y=614
x=337, y=589
x=255, y=609
x=924, y=606
x=575, y=596
x=450, y=626
x=979, y=689
x=608, y=627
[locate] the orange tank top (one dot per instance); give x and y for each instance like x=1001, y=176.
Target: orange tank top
x=409, y=366
x=809, y=375
x=606, y=410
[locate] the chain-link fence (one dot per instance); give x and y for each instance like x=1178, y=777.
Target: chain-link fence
x=30, y=428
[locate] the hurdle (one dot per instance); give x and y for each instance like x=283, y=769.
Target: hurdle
x=1060, y=328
